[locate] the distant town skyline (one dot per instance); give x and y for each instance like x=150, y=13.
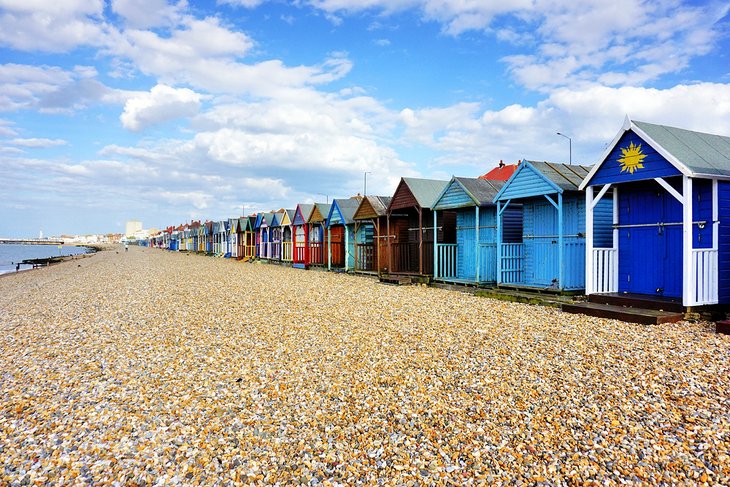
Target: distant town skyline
x=165, y=112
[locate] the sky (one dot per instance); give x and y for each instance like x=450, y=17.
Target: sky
x=168, y=111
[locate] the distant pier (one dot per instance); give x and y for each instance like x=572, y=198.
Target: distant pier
x=30, y=241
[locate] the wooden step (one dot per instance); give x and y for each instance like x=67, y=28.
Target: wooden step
x=723, y=327
x=632, y=315
x=643, y=301
x=396, y=280
x=299, y=265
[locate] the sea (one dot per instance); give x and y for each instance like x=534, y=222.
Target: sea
x=13, y=254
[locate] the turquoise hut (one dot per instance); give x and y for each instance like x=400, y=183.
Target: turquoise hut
x=551, y=253
x=341, y=233
x=472, y=257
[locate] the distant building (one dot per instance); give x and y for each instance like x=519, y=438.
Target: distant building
x=133, y=226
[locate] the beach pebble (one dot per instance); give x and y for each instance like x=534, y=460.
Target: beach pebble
x=156, y=368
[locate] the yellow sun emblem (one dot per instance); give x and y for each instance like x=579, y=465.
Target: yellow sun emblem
x=632, y=157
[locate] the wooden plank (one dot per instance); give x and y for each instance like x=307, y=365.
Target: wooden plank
x=631, y=315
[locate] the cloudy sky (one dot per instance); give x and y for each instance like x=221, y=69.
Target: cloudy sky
x=169, y=111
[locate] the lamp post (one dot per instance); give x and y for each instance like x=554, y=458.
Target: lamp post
x=326, y=196
x=365, y=183
x=570, y=147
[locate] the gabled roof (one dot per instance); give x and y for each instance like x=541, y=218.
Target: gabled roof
x=275, y=219
x=243, y=224
x=693, y=153
x=500, y=173
x=424, y=191
x=346, y=207
x=304, y=210
x=481, y=191
x=319, y=212
x=287, y=218
x=554, y=178
x=372, y=206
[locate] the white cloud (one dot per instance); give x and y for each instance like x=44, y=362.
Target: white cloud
x=466, y=137
x=52, y=89
x=161, y=104
x=573, y=43
x=38, y=143
x=144, y=14
x=50, y=26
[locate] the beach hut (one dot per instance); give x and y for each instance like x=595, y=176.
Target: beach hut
x=263, y=235
x=670, y=189
x=300, y=235
x=249, y=237
x=318, y=234
x=551, y=253
x=409, y=220
x=209, y=237
x=340, y=230
x=370, y=234
x=472, y=257
x=287, y=233
x=275, y=232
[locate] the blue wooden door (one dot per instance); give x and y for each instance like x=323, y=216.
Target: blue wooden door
x=650, y=241
x=545, y=245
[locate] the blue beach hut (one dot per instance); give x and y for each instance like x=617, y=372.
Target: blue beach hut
x=340, y=233
x=551, y=254
x=671, y=216
x=472, y=257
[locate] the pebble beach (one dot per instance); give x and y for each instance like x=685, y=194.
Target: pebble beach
x=155, y=368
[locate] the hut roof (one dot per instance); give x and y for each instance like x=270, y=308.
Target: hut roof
x=346, y=207
x=481, y=190
x=565, y=176
x=700, y=152
x=424, y=191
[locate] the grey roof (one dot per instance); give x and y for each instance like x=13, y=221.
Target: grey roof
x=702, y=153
x=348, y=207
x=324, y=209
x=483, y=190
x=566, y=176
x=290, y=214
x=379, y=204
x=306, y=210
x=425, y=190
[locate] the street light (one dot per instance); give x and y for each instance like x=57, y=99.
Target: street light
x=570, y=147
x=365, y=183
x=326, y=196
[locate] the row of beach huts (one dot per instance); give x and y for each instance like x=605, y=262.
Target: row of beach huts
x=647, y=227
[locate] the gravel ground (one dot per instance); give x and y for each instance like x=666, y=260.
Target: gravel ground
x=156, y=368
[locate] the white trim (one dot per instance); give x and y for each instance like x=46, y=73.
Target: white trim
x=615, y=237
x=630, y=125
x=590, y=204
x=672, y=191
x=715, y=216
x=661, y=150
x=688, y=283
x=600, y=195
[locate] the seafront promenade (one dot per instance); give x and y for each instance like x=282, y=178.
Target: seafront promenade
x=156, y=368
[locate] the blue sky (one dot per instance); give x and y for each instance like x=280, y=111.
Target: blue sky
x=170, y=111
